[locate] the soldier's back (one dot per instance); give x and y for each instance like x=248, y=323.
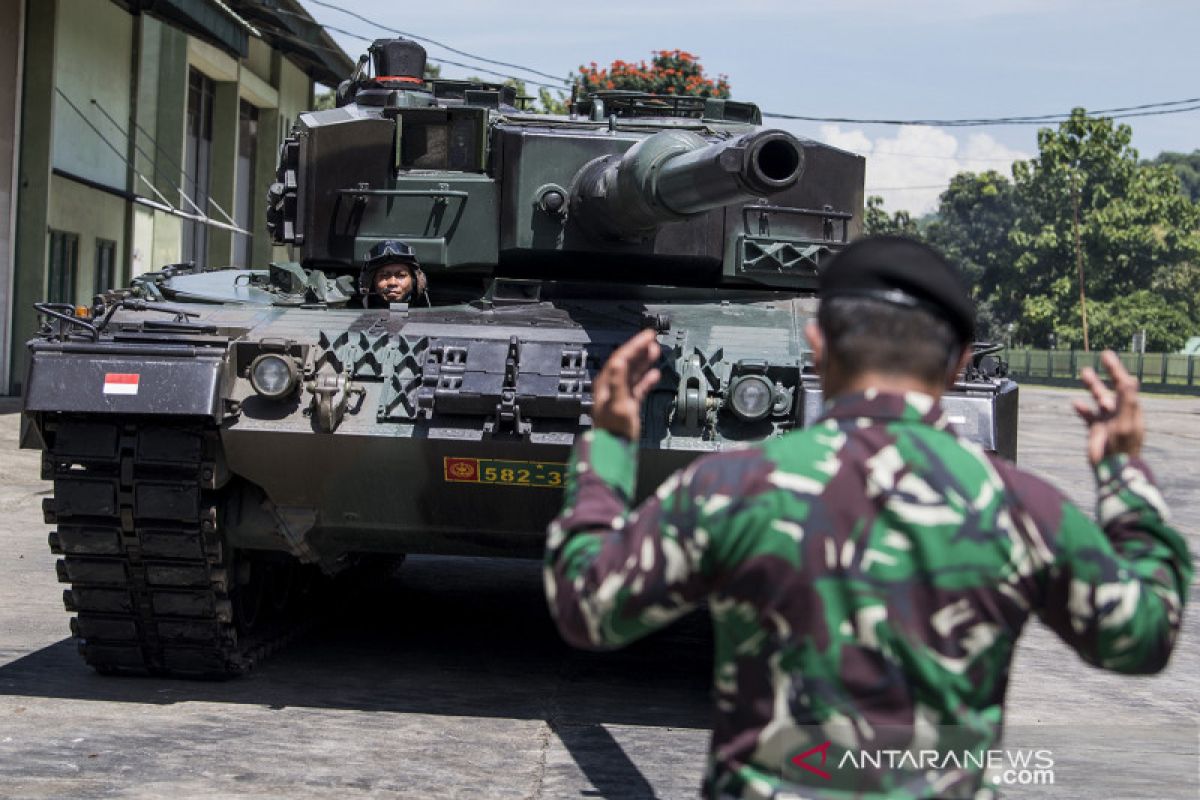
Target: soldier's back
x=871, y=581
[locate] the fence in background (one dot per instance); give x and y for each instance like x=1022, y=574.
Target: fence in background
x=1167, y=372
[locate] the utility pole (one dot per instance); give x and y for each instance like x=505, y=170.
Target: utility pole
x=1079, y=259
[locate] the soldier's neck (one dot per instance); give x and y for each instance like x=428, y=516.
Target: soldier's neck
x=880, y=382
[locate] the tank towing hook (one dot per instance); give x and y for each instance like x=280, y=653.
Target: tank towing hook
x=330, y=398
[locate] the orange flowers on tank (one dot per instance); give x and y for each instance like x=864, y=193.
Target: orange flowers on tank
x=676, y=72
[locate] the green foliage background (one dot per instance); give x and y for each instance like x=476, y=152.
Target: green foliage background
x=1138, y=237
x=1187, y=167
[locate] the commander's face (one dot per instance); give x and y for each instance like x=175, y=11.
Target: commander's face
x=394, y=282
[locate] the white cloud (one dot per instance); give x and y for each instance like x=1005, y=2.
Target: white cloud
x=910, y=169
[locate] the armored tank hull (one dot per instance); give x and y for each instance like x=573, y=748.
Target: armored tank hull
x=223, y=441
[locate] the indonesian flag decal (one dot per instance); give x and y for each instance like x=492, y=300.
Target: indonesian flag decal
x=121, y=383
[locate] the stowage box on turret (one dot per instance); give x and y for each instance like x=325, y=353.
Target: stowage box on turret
x=218, y=439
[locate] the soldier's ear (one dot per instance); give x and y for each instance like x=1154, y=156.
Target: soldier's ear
x=419, y=274
x=816, y=341
x=958, y=365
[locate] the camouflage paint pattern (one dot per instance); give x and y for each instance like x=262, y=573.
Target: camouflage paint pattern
x=868, y=578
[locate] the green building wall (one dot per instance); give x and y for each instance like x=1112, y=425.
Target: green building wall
x=91, y=215
x=72, y=169
x=33, y=179
x=12, y=26
x=93, y=43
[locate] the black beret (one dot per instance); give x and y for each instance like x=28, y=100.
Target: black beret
x=903, y=272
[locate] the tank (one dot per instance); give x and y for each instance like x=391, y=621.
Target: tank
x=223, y=441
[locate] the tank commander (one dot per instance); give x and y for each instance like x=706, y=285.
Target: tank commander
x=392, y=274
x=868, y=576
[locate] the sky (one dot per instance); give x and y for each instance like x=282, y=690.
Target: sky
x=921, y=59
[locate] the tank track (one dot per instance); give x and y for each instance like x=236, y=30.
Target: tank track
x=154, y=587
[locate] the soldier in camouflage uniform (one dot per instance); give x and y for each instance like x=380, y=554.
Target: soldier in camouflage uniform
x=868, y=576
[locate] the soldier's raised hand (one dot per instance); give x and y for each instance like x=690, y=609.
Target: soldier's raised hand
x=1115, y=424
x=623, y=383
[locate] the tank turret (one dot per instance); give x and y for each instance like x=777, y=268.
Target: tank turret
x=683, y=189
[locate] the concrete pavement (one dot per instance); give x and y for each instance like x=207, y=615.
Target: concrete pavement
x=453, y=683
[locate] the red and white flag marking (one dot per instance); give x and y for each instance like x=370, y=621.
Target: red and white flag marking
x=121, y=383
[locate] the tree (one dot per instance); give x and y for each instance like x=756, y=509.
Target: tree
x=1187, y=167
x=971, y=226
x=1113, y=324
x=877, y=221
x=552, y=103
x=1085, y=199
x=1136, y=230
x=547, y=103
x=669, y=72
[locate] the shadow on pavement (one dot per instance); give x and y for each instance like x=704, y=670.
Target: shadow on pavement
x=453, y=636
x=601, y=758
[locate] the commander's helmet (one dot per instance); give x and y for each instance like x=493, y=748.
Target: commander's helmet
x=386, y=253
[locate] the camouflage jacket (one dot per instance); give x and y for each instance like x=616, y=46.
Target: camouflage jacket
x=868, y=578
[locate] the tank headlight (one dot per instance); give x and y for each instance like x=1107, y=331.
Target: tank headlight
x=751, y=397
x=273, y=376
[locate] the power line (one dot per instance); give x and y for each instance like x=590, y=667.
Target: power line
x=441, y=60
x=887, y=153
x=880, y=154
x=164, y=204
x=1141, y=107
x=1157, y=113
x=906, y=188
x=980, y=122
x=510, y=65
x=1124, y=112
x=289, y=37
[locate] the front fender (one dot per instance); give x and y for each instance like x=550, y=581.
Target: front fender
x=119, y=378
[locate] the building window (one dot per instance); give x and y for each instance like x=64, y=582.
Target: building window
x=247, y=155
x=64, y=263
x=197, y=165
x=105, y=276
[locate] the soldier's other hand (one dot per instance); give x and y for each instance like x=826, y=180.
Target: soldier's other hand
x=623, y=383
x=1115, y=424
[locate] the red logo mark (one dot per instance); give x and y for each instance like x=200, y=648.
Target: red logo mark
x=823, y=749
x=462, y=469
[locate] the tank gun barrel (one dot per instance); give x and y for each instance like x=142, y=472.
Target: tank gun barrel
x=673, y=175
